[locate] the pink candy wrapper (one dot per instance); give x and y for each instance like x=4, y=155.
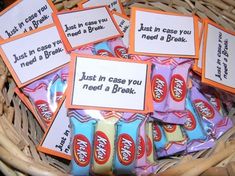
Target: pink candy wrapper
x=118, y=48
x=89, y=49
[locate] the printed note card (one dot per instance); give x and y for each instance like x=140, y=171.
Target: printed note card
x=107, y=83
x=124, y=24
x=25, y=15
x=32, y=55
x=56, y=140
x=81, y=27
x=163, y=34
x=218, y=57
x=112, y=4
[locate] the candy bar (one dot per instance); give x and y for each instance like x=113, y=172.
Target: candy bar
x=197, y=137
x=118, y=48
x=126, y=150
x=209, y=114
x=192, y=125
x=103, y=49
x=104, y=146
x=160, y=83
x=178, y=87
x=38, y=97
x=83, y=136
x=173, y=132
x=159, y=137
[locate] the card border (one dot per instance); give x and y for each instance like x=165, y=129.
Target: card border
x=47, y=150
x=65, y=40
x=52, y=6
x=195, y=67
x=132, y=33
x=124, y=17
x=148, y=107
x=204, y=79
x=10, y=67
x=120, y=15
x=80, y=5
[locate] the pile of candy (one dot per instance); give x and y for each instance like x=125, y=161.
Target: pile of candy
x=187, y=115
x=184, y=120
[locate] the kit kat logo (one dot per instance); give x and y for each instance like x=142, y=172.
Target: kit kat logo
x=170, y=128
x=178, y=87
x=159, y=88
x=126, y=149
x=81, y=150
x=121, y=51
x=103, y=52
x=44, y=110
x=215, y=102
x=141, y=148
x=101, y=148
x=204, y=109
x=157, y=135
x=149, y=147
x=190, y=123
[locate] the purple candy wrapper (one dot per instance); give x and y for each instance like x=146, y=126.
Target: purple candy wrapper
x=172, y=148
x=216, y=124
x=197, y=145
x=216, y=102
x=147, y=170
x=170, y=61
x=160, y=82
x=179, y=61
x=178, y=87
x=171, y=117
x=64, y=73
x=224, y=125
x=141, y=58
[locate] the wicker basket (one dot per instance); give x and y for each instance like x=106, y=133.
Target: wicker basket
x=20, y=132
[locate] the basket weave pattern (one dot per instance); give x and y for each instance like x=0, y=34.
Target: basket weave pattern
x=20, y=133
